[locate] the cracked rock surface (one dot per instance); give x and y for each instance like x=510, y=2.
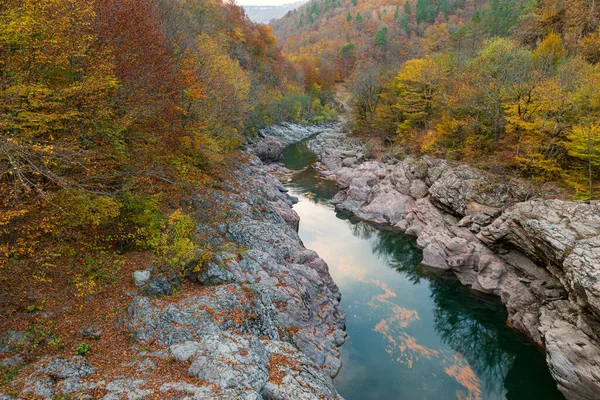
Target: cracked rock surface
x=263, y=322
x=499, y=236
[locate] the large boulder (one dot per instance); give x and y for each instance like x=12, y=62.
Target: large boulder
x=268, y=150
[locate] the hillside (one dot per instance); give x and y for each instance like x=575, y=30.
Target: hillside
x=115, y=116
x=264, y=14
x=333, y=35
x=507, y=85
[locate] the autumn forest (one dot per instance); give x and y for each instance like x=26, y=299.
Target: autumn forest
x=106, y=108
x=110, y=110
x=128, y=149
x=511, y=86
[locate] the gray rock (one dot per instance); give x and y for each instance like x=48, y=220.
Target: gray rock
x=140, y=278
x=161, y=286
x=268, y=150
x=92, y=331
x=418, y=189
x=49, y=372
x=545, y=230
x=206, y=392
x=231, y=361
x=350, y=161
x=12, y=340
x=147, y=366
x=195, y=317
x=11, y=361
x=184, y=351
x=77, y=386
x=390, y=207
x=573, y=361
x=64, y=368
x=210, y=274
x=288, y=133
x=293, y=376
x=131, y=389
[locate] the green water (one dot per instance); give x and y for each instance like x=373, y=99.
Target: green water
x=411, y=335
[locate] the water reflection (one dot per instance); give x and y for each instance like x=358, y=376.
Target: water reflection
x=412, y=334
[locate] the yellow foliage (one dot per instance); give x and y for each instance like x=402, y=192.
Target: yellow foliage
x=84, y=209
x=174, y=242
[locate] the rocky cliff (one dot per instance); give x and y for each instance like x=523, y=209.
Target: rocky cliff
x=541, y=257
x=260, y=323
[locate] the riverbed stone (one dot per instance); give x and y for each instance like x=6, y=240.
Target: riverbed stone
x=573, y=360
x=418, y=189
x=269, y=150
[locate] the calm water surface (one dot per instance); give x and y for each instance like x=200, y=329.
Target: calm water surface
x=412, y=335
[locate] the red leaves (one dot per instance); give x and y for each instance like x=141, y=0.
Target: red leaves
x=141, y=52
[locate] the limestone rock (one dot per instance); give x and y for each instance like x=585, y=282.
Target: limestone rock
x=231, y=361
x=184, y=351
x=140, y=278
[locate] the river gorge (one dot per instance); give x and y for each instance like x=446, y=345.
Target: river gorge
x=412, y=334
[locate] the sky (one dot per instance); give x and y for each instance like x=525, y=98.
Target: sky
x=264, y=2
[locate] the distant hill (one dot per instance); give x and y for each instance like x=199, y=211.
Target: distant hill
x=264, y=14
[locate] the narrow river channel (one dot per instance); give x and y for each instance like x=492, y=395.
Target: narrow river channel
x=412, y=335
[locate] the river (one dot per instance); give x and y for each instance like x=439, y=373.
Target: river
x=411, y=334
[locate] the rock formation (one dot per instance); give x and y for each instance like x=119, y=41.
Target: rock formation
x=541, y=257
x=264, y=322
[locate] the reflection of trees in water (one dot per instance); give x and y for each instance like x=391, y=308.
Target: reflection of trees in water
x=361, y=230
x=399, y=252
x=470, y=325
x=474, y=326
x=316, y=189
x=297, y=156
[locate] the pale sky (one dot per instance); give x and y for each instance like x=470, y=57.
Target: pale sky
x=264, y=2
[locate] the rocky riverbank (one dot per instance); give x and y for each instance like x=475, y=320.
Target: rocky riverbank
x=261, y=319
x=541, y=257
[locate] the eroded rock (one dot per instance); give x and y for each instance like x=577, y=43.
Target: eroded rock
x=535, y=254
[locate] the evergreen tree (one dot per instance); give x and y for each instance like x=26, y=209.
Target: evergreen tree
x=380, y=38
x=421, y=11
x=404, y=24
x=443, y=7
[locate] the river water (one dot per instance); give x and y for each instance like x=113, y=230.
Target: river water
x=411, y=334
